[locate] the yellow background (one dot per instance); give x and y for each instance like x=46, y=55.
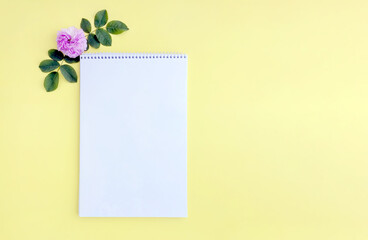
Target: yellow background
x=277, y=119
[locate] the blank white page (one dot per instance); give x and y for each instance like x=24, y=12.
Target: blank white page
x=133, y=142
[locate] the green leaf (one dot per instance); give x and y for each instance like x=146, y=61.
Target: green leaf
x=93, y=41
x=101, y=18
x=48, y=65
x=51, y=81
x=116, y=27
x=85, y=25
x=69, y=73
x=87, y=46
x=55, y=55
x=104, y=37
x=71, y=60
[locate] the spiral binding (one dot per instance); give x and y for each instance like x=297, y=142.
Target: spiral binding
x=132, y=55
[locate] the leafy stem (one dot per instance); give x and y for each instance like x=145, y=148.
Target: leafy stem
x=61, y=64
x=100, y=35
x=93, y=31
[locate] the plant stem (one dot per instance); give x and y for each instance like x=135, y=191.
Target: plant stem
x=86, y=35
x=61, y=64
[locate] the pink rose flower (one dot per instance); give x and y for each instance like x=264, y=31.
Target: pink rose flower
x=71, y=42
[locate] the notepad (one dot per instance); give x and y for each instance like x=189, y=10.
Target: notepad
x=133, y=135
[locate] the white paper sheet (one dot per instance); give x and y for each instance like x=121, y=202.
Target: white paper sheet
x=133, y=135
